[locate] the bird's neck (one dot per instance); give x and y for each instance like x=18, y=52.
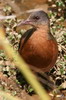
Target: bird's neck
x=44, y=28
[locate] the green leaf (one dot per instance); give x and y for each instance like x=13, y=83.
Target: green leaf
x=65, y=56
x=64, y=34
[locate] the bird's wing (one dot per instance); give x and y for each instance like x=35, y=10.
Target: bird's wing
x=25, y=37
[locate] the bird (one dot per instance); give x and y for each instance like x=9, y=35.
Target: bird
x=37, y=46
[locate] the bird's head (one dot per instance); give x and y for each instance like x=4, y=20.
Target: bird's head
x=36, y=19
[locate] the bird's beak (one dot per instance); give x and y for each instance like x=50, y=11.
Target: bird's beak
x=26, y=22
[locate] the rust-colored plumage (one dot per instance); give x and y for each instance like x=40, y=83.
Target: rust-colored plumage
x=37, y=46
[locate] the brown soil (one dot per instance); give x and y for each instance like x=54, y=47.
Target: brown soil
x=12, y=86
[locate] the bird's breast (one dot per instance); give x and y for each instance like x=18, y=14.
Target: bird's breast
x=39, y=50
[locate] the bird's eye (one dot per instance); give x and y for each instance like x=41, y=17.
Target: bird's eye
x=36, y=18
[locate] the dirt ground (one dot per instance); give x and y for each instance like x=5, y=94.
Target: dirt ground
x=11, y=80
